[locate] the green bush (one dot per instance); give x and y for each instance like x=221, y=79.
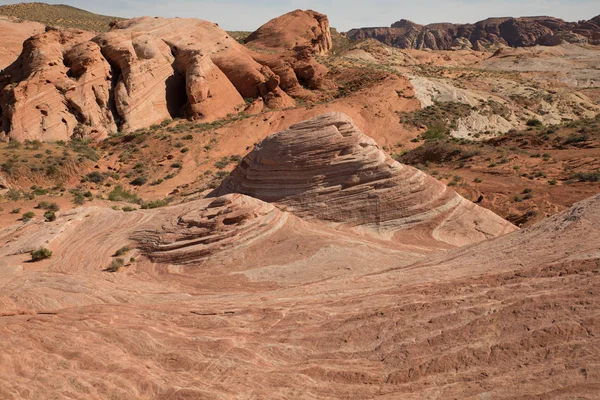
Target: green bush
x=95, y=177
x=50, y=216
x=435, y=132
x=115, y=265
x=120, y=194
x=155, y=204
x=534, y=122
x=13, y=194
x=78, y=199
x=139, y=181
x=222, y=163
x=576, y=138
x=44, y=205
x=123, y=250
x=40, y=254
x=27, y=216
x=593, y=176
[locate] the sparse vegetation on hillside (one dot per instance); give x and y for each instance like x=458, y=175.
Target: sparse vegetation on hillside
x=439, y=118
x=59, y=15
x=240, y=36
x=549, y=157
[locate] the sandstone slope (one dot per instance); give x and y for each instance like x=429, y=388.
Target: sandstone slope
x=293, y=309
x=325, y=168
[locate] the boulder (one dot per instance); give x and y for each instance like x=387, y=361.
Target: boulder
x=295, y=29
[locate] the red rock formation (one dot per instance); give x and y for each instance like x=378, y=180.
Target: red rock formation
x=13, y=33
x=515, y=32
x=326, y=168
x=295, y=29
x=143, y=71
x=48, y=99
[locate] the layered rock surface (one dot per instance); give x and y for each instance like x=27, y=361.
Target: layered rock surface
x=489, y=33
x=297, y=306
x=327, y=169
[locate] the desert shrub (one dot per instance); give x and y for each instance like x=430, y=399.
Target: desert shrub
x=139, y=181
x=44, y=205
x=477, y=180
x=576, y=138
x=123, y=250
x=115, y=265
x=78, y=199
x=128, y=209
x=82, y=148
x=593, y=176
x=534, y=122
x=38, y=191
x=95, y=177
x=155, y=204
x=50, y=216
x=222, y=163
x=27, y=216
x=176, y=165
x=517, y=199
x=40, y=254
x=13, y=194
x=15, y=211
x=120, y=194
x=435, y=132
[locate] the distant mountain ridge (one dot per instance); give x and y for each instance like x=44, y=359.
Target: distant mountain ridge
x=59, y=15
x=507, y=31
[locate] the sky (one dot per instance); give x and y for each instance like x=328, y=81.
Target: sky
x=343, y=14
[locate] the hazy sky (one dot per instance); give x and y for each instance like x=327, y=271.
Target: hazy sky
x=343, y=14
